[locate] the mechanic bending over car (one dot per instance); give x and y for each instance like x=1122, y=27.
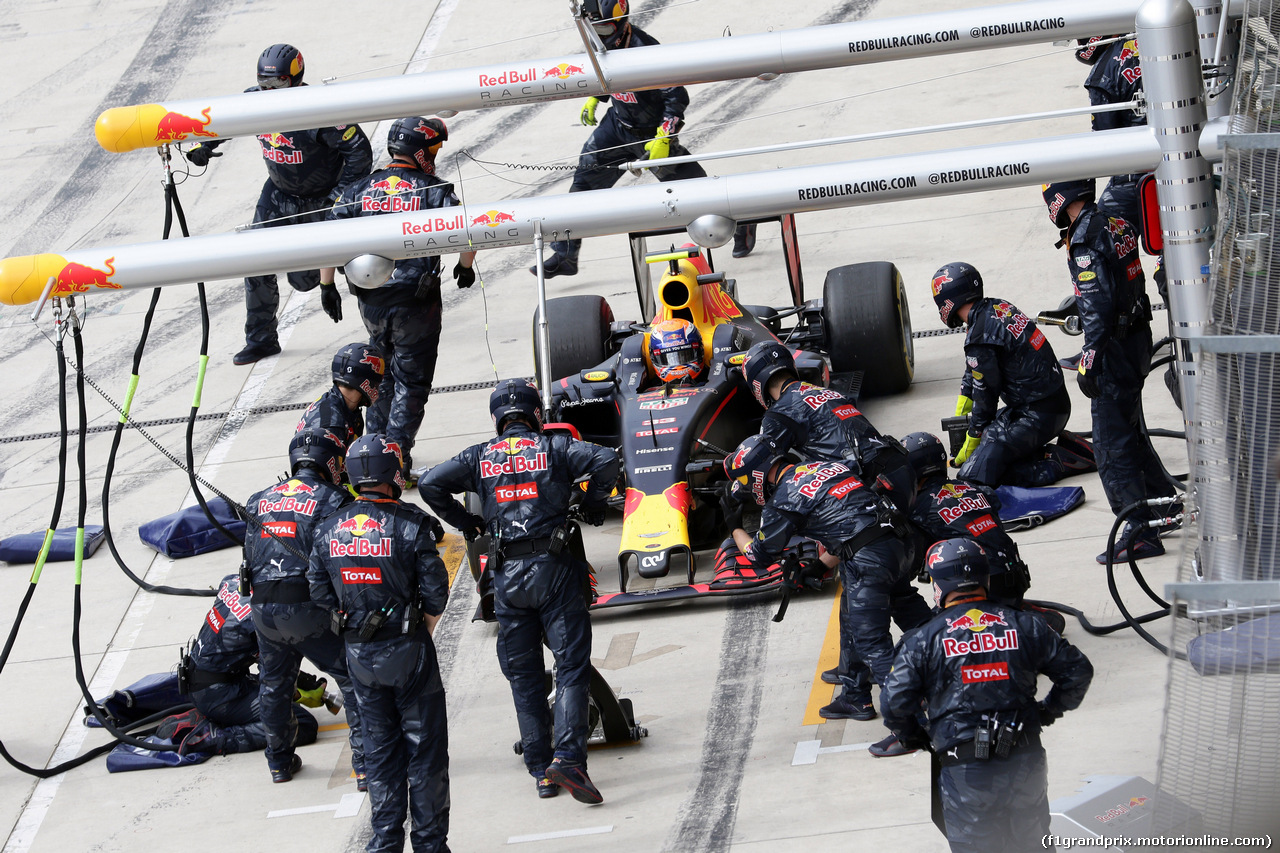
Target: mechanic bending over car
x=1007, y=358
x=820, y=424
x=983, y=720
x=358, y=370
x=854, y=520
x=637, y=125
x=526, y=482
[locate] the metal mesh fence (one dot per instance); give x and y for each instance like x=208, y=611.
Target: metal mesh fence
x=1219, y=769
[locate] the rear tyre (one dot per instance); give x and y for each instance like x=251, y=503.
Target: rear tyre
x=578, y=328
x=868, y=326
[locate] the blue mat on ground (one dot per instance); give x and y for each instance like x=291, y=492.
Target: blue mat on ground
x=146, y=696
x=189, y=532
x=124, y=758
x=1023, y=508
x=1252, y=646
x=25, y=547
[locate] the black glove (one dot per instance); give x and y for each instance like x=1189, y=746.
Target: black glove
x=730, y=505
x=437, y=529
x=1087, y=375
x=1048, y=716
x=465, y=276
x=199, y=154
x=473, y=528
x=593, y=515
x=331, y=301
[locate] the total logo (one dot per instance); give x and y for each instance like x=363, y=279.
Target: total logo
x=517, y=492
x=391, y=195
x=563, y=71
x=272, y=143
x=492, y=219
x=352, y=575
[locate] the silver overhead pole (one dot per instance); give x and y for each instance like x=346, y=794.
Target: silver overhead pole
x=544, y=334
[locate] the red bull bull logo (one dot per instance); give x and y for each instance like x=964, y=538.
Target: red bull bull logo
x=563, y=71
x=1120, y=809
x=1002, y=310
x=276, y=140
x=938, y=281
x=272, y=143
x=76, y=278
x=953, y=491
x=976, y=622
x=359, y=526
x=515, y=464
x=512, y=446
x=1128, y=50
x=391, y=195
x=379, y=364
x=175, y=127
x=293, y=498
x=427, y=130
x=492, y=219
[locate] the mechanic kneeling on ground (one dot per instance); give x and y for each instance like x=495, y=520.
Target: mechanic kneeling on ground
x=1007, y=358
x=975, y=665
x=374, y=565
x=821, y=424
x=290, y=625
x=525, y=480
x=226, y=717
x=828, y=502
x=358, y=369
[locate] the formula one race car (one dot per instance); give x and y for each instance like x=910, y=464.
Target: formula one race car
x=674, y=435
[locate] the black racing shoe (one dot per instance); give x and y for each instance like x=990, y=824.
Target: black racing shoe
x=831, y=676
x=574, y=777
x=889, y=748
x=1071, y=363
x=843, y=709
x=255, y=352
x=176, y=727
x=1076, y=445
x=556, y=265
x=546, y=788
x=203, y=738
x=744, y=240
x=1053, y=618
x=285, y=774
x=362, y=780
x=1139, y=550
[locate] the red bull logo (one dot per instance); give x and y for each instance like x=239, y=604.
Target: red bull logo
x=492, y=219
x=953, y=491
x=434, y=226
x=508, y=78
x=516, y=464
x=1128, y=50
x=175, y=127
x=980, y=643
x=938, y=281
x=390, y=195
x=239, y=607
x=975, y=620
x=359, y=525
x=820, y=476
x=76, y=278
x=379, y=364
x=293, y=497
x=1003, y=310
x=272, y=143
x=1120, y=809
x=817, y=398
x=276, y=140
x=427, y=130
x=394, y=447
x=512, y=446
x=563, y=71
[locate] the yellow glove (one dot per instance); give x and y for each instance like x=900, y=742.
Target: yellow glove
x=971, y=443
x=660, y=146
x=964, y=405
x=588, y=115
x=309, y=690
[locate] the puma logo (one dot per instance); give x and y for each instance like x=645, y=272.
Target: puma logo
x=523, y=525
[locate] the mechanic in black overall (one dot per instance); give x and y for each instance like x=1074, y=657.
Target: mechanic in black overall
x=358, y=369
x=525, y=479
x=636, y=123
x=290, y=625
x=374, y=565
x=226, y=717
x=820, y=424
x=1007, y=358
x=975, y=664
x=1115, y=77
x=828, y=502
x=1102, y=255
x=403, y=315
x=306, y=170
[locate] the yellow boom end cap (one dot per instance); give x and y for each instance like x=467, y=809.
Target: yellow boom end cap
x=22, y=279
x=122, y=129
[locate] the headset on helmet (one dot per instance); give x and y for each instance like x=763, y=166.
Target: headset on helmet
x=418, y=139
x=750, y=464
x=372, y=461
x=515, y=398
x=360, y=366
x=956, y=565
x=1059, y=196
x=319, y=449
x=675, y=349
x=765, y=360
x=609, y=18
x=955, y=285
x=280, y=67
x=926, y=454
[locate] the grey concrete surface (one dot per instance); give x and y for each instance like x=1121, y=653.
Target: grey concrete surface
x=694, y=784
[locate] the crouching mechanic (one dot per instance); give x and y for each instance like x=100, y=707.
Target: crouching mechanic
x=290, y=625
x=525, y=480
x=828, y=502
x=374, y=566
x=1006, y=358
x=975, y=666
x=216, y=676
x=358, y=369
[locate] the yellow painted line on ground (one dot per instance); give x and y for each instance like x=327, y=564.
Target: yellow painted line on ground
x=820, y=694
x=453, y=550
x=333, y=727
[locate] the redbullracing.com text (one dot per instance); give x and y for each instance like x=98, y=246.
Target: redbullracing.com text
x=1199, y=842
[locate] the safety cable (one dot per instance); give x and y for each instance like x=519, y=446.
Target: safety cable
x=484, y=297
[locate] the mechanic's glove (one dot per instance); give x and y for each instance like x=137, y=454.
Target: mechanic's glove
x=199, y=154
x=437, y=529
x=659, y=147
x=964, y=405
x=473, y=528
x=593, y=515
x=731, y=504
x=465, y=276
x=331, y=301
x=971, y=443
x=1048, y=716
x=588, y=115
x=309, y=690
x=1090, y=367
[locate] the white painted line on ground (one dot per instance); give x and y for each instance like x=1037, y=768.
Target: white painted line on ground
x=807, y=751
x=348, y=806
x=564, y=833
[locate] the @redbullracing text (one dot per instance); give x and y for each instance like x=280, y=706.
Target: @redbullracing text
x=1066, y=842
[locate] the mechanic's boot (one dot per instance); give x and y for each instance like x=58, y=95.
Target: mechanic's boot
x=1071, y=363
x=563, y=260
x=205, y=737
x=1052, y=618
x=844, y=709
x=889, y=748
x=255, y=352
x=176, y=727
x=831, y=676
x=546, y=788
x=1067, y=461
x=744, y=240
x=285, y=774
x=1077, y=446
x=1142, y=548
x=362, y=780
x=573, y=776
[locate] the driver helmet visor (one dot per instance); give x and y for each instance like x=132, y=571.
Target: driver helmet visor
x=679, y=356
x=282, y=82
x=605, y=28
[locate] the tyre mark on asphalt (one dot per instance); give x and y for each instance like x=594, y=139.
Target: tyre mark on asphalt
x=706, y=818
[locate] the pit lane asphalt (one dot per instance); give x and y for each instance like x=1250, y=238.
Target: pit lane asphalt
x=722, y=690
